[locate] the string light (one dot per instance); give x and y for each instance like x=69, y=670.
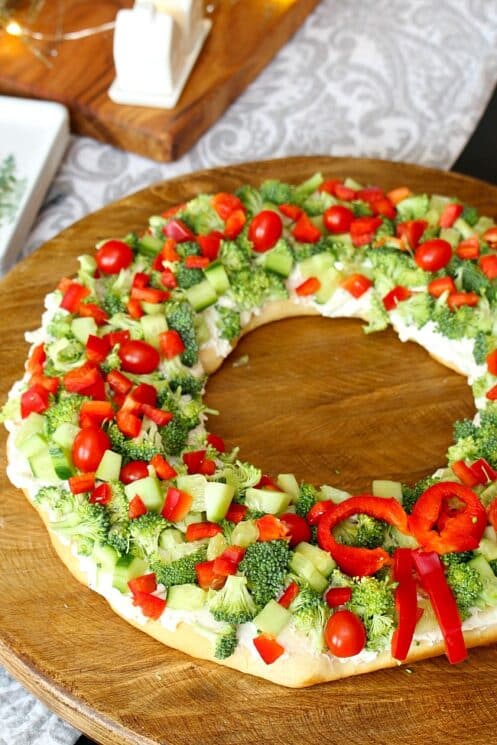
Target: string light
x=15, y=29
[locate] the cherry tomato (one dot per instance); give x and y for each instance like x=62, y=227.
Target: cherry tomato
x=433, y=255
x=297, y=527
x=112, y=256
x=337, y=219
x=345, y=634
x=138, y=357
x=136, y=469
x=88, y=448
x=265, y=230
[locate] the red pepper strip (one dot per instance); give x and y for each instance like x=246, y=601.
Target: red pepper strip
x=96, y=411
x=396, y=296
x=145, y=583
x=270, y=528
x=488, y=265
x=492, y=513
x=162, y=468
x=136, y=508
x=171, y=344
x=305, y=231
x=193, y=460
x=176, y=505
x=92, y=310
x=492, y=362
x=197, y=262
x=337, y=596
x=236, y=512
x=410, y=232
x=458, y=299
x=289, y=595
x=406, y=603
x=159, y=416
x=234, y=224
x=216, y=442
x=224, y=566
x=360, y=562
x=97, y=348
x=36, y=360
x=356, y=284
x=318, y=510
x=206, y=577
x=50, y=384
x=464, y=473
x=492, y=393
x=178, y=231
x=168, y=279
x=197, y=531
x=440, y=285
x=225, y=203
x=468, y=249
x=151, y=606
x=291, y=211
x=483, y=471
x=208, y=467
x=119, y=382
x=101, y=494
x=461, y=530
x=433, y=581
x=308, y=287
x=73, y=296
x=449, y=215
x=268, y=648
x=81, y=483
x=35, y=399
x=210, y=244
x=267, y=481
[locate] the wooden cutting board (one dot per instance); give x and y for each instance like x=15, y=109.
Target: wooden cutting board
x=318, y=398
x=244, y=38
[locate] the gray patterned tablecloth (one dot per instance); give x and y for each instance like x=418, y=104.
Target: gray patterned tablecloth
x=379, y=78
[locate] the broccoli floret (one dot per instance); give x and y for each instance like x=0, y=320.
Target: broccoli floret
x=360, y=208
x=112, y=361
x=464, y=449
x=466, y=584
x=310, y=614
x=417, y=309
x=250, y=198
x=454, y=324
x=483, y=344
x=63, y=355
x=363, y=532
x=52, y=498
x=317, y=203
x=119, y=522
x=187, y=248
x=181, y=318
x=235, y=255
x=411, y=494
x=276, y=192
x=60, y=326
x=471, y=277
x=493, y=566
x=252, y=287
x=175, y=436
x=413, y=207
x=228, y=323
x=82, y=523
x=377, y=315
x=180, y=571
x=144, y=447
x=145, y=532
x=186, y=277
x=461, y=557
x=392, y=267
x=464, y=428
x=307, y=498
x=265, y=565
x=200, y=215
x=64, y=411
x=189, y=384
x=226, y=643
x=373, y=601
x=233, y=603
x=470, y=215
x=240, y=475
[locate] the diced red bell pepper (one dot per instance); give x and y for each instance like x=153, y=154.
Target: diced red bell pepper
x=134, y=308
x=488, y=265
x=384, y=207
x=297, y=528
x=462, y=529
x=197, y=531
x=149, y=295
x=363, y=230
x=162, y=468
x=36, y=360
x=490, y=236
x=399, y=194
x=289, y=594
x=449, y=215
x=208, y=467
x=305, y=231
x=210, y=244
x=171, y=344
x=438, y=286
x=268, y=648
x=73, y=296
x=129, y=424
x=344, y=193
x=469, y=248
x=145, y=583
x=458, y=299
x=483, y=471
x=101, y=494
x=197, y=262
x=360, y=562
x=464, y=473
x=411, y=231
x=267, y=482
x=270, y=528
x=492, y=362
x=81, y=483
x=223, y=566
x=236, y=512
x=396, y=296
x=318, y=510
x=291, y=211
x=136, y=508
x=141, y=279
x=117, y=337
x=133, y=471
x=119, y=382
x=432, y=577
x=178, y=231
x=97, y=348
x=171, y=211
x=216, y=442
x=96, y=412
x=406, y=603
x=168, y=279
x=159, y=416
x=81, y=378
x=193, y=460
x=177, y=505
x=225, y=203
x=308, y=287
x=34, y=399
x=492, y=393
x=337, y=596
x=150, y=605
x=234, y=224
x=356, y=284
x=206, y=577
x=145, y=393
x=234, y=553
x=492, y=513
x=92, y=310
x=329, y=186
x=51, y=384
x=96, y=391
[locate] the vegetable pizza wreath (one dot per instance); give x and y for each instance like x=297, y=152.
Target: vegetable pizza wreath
x=290, y=581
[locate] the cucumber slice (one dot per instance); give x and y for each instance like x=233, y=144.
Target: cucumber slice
x=245, y=533
x=153, y=309
x=149, y=491
x=289, y=484
x=272, y=619
x=438, y=202
x=186, y=597
x=330, y=281
x=32, y=425
x=278, y=260
x=351, y=183
x=483, y=567
x=170, y=538
x=321, y=559
x=105, y=556
x=82, y=328
x=464, y=228
x=64, y=435
x=490, y=533
x=193, y=484
x=216, y=276
x=451, y=236
x=488, y=549
x=387, y=489
x=329, y=493
x=126, y=568
x=201, y=296
x=34, y=444
x=153, y=326
x=305, y=569
x=218, y=498
x=315, y=266
x=61, y=461
x=149, y=246
x=217, y=544
x=266, y=500
x=109, y=467
x=42, y=467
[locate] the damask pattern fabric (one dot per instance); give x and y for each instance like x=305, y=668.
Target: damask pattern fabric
x=404, y=81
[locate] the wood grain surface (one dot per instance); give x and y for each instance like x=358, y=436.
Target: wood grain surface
x=317, y=397
x=244, y=38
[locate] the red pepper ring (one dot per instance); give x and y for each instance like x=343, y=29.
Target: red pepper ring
x=360, y=562
x=439, y=527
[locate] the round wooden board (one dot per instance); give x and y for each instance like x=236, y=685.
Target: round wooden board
x=317, y=398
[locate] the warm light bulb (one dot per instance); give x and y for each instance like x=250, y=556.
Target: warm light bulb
x=13, y=28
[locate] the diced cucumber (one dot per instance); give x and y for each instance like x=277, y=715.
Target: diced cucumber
x=305, y=569
x=387, y=489
x=451, y=236
x=216, y=276
x=61, y=461
x=308, y=187
x=330, y=494
x=483, y=567
x=82, y=328
x=490, y=533
x=315, y=266
x=149, y=491
x=278, y=260
x=438, y=202
x=432, y=217
x=488, y=549
x=321, y=559
x=289, y=484
x=330, y=280
x=42, y=467
x=217, y=544
x=33, y=424
x=105, y=556
x=152, y=309
x=488, y=494
x=483, y=224
x=267, y=500
x=153, y=326
x=127, y=568
x=170, y=538
x=34, y=444
x=272, y=619
x=109, y=467
x=193, y=517
x=351, y=183
x=186, y=597
x=245, y=533
x=201, y=295
x=202, y=329
x=193, y=484
x=149, y=245
x=65, y=434
x=464, y=228
x=218, y=498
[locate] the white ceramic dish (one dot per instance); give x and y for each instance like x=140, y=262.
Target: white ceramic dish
x=36, y=133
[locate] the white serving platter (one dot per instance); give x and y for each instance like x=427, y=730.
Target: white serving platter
x=36, y=134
